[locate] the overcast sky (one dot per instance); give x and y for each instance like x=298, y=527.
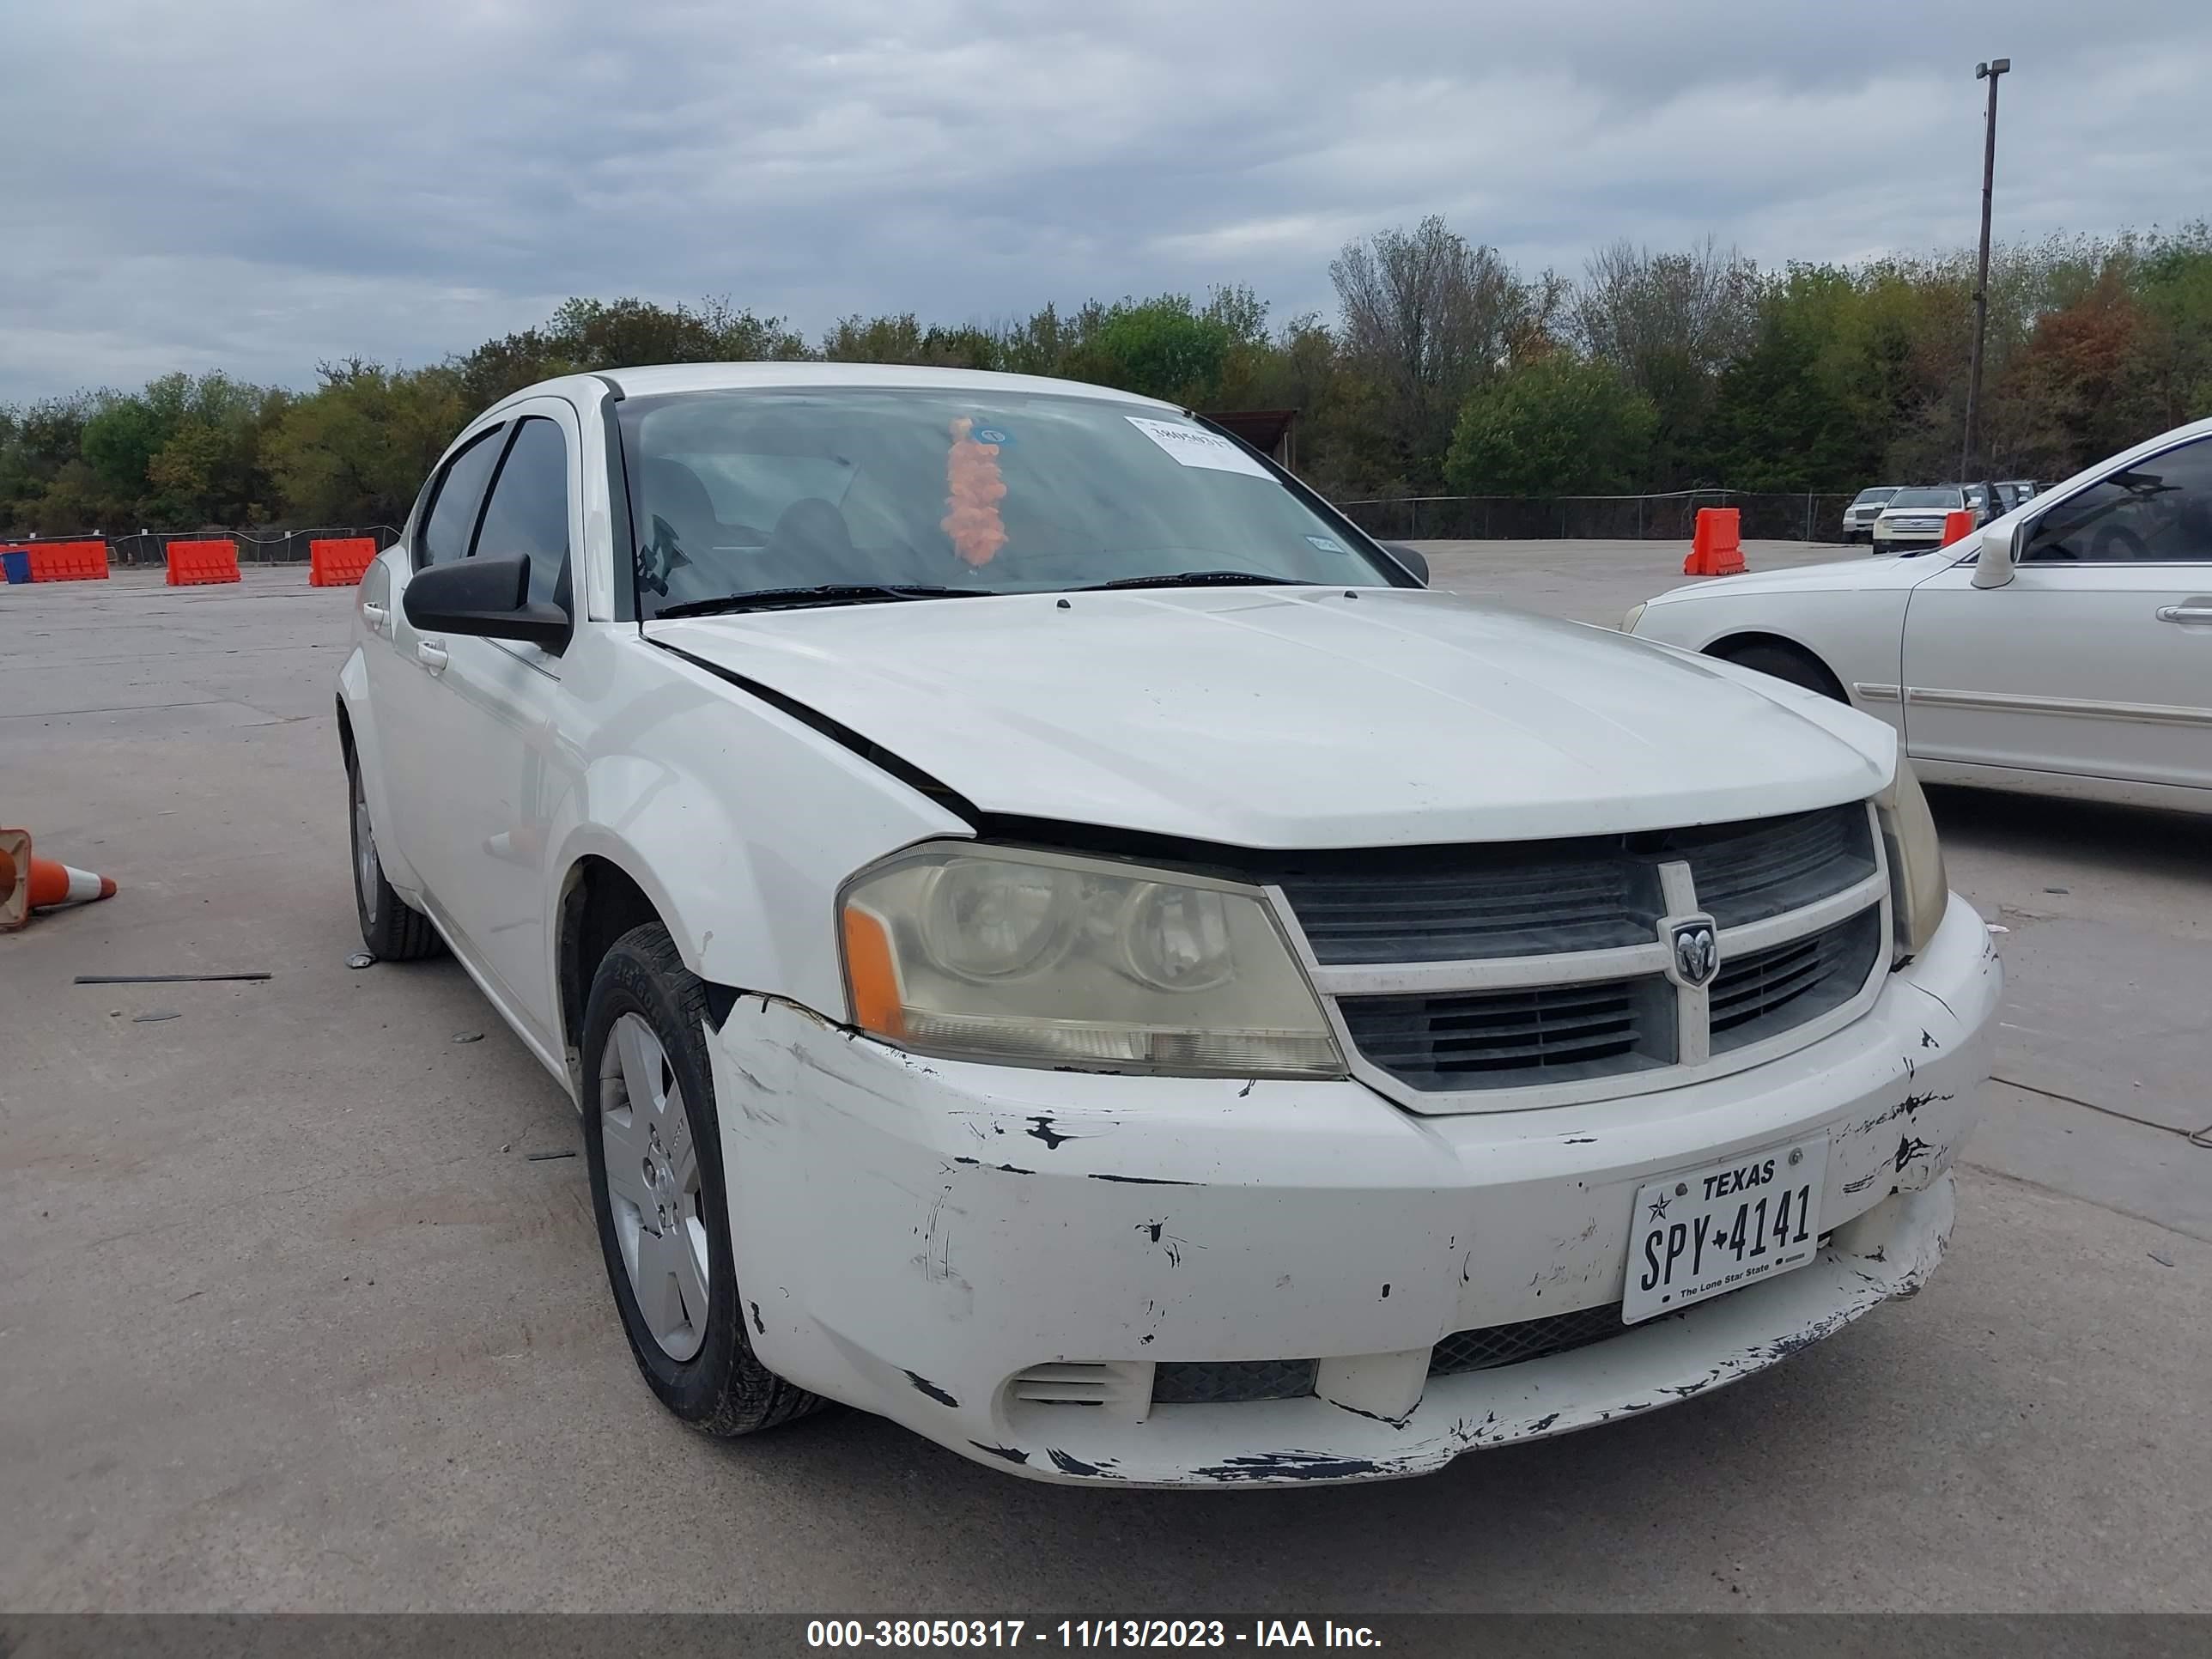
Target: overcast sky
x=257, y=184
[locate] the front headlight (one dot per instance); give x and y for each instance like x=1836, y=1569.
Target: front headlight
x=1635, y=616
x=1918, y=888
x=1040, y=958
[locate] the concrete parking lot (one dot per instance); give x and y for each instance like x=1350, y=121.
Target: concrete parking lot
x=292, y=1317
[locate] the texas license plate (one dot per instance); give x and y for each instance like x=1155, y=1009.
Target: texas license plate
x=1723, y=1227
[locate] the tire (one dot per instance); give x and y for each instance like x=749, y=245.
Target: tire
x=649, y=1097
x=392, y=929
x=1786, y=663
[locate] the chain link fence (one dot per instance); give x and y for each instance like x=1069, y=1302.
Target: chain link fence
x=151, y=547
x=1669, y=517
x=1672, y=517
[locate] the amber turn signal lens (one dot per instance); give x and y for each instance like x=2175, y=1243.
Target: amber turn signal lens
x=877, y=1005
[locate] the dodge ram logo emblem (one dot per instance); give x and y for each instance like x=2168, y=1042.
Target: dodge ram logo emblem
x=1696, y=953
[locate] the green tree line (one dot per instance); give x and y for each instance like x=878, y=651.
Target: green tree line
x=1445, y=370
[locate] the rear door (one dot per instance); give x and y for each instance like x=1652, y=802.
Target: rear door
x=2096, y=658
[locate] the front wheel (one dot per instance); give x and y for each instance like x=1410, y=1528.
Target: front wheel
x=654, y=1146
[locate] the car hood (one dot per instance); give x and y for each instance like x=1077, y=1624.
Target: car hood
x=1287, y=718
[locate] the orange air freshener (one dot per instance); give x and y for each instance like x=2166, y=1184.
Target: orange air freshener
x=974, y=487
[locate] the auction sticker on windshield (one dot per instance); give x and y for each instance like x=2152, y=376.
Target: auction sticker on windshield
x=1723, y=1227
x=1195, y=448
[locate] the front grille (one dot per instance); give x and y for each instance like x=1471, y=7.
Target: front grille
x=1748, y=871
x=1771, y=991
x=1529, y=1339
x=1455, y=903
x=1507, y=1039
x=1428, y=953
x=1464, y=904
x=1232, y=1381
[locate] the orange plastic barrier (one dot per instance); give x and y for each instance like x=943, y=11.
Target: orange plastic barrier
x=1717, y=549
x=339, y=563
x=68, y=562
x=1957, y=526
x=192, y=563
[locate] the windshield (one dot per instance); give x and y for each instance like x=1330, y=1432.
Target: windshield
x=1931, y=497
x=754, y=491
x=1874, y=497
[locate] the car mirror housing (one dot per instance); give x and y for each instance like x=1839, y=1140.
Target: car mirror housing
x=1993, y=564
x=488, y=597
x=1415, y=562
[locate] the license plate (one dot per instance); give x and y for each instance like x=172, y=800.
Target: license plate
x=1723, y=1227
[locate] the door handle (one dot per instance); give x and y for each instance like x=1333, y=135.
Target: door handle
x=373, y=615
x=431, y=654
x=2197, y=611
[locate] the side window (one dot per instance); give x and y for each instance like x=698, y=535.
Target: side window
x=445, y=535
x=2158, y=509
x=528, y=514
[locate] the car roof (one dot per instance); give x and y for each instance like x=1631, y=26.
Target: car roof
x=654, y=379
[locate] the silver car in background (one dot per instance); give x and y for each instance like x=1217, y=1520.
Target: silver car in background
x=1865, y=507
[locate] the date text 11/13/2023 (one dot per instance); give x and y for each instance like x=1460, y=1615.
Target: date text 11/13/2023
x=1087, y=1633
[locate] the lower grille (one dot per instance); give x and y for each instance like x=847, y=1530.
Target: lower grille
x=1232, y=1381
x=1529, y=1339
x=1774, y=990
x=1509, y=1039
x=1119, y=1389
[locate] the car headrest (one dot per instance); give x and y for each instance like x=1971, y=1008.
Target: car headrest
x=813, y=523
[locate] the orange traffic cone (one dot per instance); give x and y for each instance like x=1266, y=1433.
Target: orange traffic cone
x=28, y=883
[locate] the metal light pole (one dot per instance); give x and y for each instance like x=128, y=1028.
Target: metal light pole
x=1989, y=72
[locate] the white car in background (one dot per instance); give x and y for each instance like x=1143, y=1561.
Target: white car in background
x=1058, y=939
x=1865, y=506
x=2065, y=648
x=1912, y=520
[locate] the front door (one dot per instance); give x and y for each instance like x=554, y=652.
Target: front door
x=493, y=754
x=409, y=696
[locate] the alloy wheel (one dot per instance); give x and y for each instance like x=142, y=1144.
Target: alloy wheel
x=652, y=1186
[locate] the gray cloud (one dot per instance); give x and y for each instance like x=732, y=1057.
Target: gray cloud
x=255, y=187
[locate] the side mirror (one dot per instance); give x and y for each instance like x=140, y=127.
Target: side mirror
x=1415, y=561
x=1993, y=563
x=487, y=597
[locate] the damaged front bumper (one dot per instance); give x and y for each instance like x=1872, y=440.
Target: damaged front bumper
x=1014, y=1262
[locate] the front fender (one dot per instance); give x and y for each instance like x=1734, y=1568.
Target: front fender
x=1857, y=634
x=739, y=822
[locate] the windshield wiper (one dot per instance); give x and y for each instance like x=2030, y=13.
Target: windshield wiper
x=778, y=599
x=1197, y=579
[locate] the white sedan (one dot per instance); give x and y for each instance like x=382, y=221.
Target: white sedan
x=2065, y=648
x=1059, y=940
